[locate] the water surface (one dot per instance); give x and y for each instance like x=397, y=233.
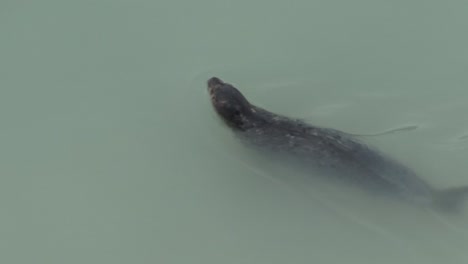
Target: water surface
x=111, y=152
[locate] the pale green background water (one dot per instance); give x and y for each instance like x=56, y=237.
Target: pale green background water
x=111, y=153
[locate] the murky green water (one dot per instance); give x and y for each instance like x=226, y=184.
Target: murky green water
x=111, y=153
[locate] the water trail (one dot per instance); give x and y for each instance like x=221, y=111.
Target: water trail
x=335, y=209
x=391, y=131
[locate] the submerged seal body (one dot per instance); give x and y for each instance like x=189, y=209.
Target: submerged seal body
x=337, y=153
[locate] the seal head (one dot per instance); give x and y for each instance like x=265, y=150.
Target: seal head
x=230, y=104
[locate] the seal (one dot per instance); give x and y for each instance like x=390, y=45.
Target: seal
x=337, y=154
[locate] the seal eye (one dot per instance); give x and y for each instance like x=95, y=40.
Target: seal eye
x=234, y=113
x=236, y=119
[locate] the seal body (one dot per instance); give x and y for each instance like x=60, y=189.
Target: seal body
x=337, y=154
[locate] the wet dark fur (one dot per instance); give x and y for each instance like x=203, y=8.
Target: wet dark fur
x=333, y=151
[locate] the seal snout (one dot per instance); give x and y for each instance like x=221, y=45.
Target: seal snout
x=214, y=83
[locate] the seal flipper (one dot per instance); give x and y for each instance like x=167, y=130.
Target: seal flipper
x=451, y=199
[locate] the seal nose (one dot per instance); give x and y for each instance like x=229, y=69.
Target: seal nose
x=214, y=82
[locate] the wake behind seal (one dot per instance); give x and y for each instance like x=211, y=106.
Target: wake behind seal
x=337, y=154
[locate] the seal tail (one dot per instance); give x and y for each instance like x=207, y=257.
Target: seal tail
x=451, y=199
